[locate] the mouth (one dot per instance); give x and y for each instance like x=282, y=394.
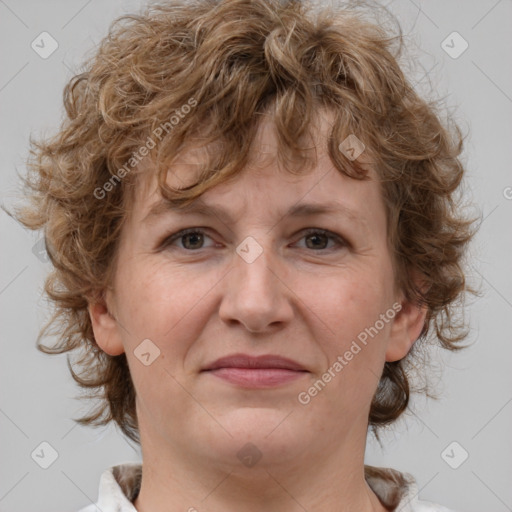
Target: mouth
x=256, y=372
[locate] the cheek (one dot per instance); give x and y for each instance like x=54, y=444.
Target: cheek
x=348, y=303
x=351, y=334
x=161, y=302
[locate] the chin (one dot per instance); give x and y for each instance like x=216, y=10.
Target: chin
x=261, y=437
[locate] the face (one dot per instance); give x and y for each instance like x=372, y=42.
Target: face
x=257, y=279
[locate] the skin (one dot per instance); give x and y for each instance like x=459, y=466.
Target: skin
x=304, y=297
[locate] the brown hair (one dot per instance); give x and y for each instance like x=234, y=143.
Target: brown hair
x=190, y=67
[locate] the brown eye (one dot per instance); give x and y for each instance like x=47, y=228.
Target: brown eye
x=319, y=239
x=191, y=239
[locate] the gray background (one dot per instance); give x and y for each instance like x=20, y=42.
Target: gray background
x=475, y=410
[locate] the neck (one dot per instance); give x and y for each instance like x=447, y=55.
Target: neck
x=175, y=479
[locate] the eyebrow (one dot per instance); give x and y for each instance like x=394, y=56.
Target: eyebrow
x=164, y=206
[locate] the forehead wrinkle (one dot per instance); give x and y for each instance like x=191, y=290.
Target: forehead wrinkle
x=163, y=206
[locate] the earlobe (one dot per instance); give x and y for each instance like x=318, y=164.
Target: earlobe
x=407, y=327
x=105, y=328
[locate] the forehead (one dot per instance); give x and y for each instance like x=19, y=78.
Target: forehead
x=324, y=187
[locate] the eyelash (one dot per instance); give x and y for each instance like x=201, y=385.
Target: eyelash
x=167, y=242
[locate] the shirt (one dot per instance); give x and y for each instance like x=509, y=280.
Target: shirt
x=120, y=485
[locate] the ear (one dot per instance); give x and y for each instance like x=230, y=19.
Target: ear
x=406, y=329
x=407, y=325
x=105, y=328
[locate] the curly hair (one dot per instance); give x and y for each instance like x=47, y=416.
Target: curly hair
x=209, y=70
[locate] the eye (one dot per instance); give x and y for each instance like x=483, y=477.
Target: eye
x=192, y=239
x=318, y=239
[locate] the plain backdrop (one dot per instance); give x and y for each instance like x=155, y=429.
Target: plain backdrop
x=473, y=415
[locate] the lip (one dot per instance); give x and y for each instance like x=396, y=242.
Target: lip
x=269, y=361
x=256, y=371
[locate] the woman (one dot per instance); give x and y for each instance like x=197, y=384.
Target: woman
x=252, y=220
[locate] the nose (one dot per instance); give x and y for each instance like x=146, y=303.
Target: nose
x=256, y=294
